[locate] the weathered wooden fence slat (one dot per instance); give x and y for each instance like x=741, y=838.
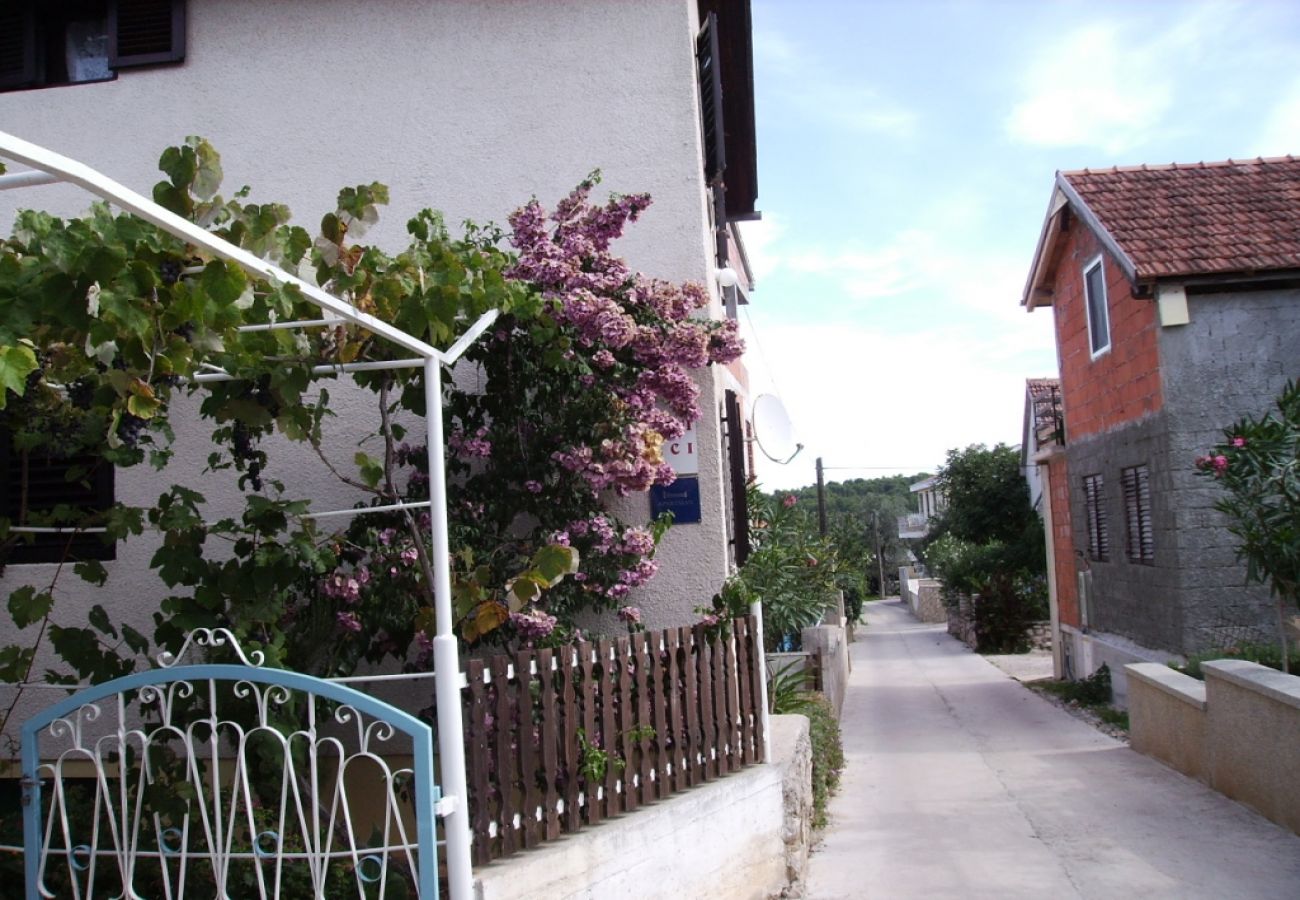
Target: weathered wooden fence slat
x=664, y=710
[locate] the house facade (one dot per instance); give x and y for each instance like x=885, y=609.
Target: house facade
x=1176, y=297
x=468, y=107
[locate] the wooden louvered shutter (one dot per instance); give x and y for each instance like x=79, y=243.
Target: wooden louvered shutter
x=709, y=72
x=17, y=45
x=1137, y=515
x=48, y=488
x=1095, y=506
x=145, y=32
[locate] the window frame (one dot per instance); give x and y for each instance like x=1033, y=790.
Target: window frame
x=27, y=55
x=1097, y=262
x=1095, y=522
x=1139, y=544
x=97, y=490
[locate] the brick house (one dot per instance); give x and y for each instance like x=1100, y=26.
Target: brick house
x=1176, y=296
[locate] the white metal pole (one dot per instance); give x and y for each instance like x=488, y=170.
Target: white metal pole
x=756, y=610
x=446, y=655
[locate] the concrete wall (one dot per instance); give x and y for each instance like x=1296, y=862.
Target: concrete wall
x=743, y=836
x=470, y=107
x=1239, y=731
x=1231, y=360
x=831, y=643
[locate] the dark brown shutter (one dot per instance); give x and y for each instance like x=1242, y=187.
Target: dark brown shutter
x=739, y=483
x=145, y=32
x=1137, y=515
x=17, y=45
x=1095, y=508
x=710, y=76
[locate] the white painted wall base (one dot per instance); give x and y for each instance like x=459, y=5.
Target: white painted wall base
x=1088, y=651
x=721, y=840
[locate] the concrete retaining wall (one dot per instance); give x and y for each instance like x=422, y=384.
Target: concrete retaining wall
x=831, y=643
x=744, y=836
x=1239, y=731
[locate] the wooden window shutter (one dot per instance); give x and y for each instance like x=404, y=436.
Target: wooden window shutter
x=735, y=437
x=145, y=32
x=1095, y=508
x=707, y=60
x=17, y=45
x=1140, y=537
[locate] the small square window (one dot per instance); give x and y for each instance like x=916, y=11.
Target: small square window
x=1094, y=288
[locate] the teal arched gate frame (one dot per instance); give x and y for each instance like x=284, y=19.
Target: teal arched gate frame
x=188, y=774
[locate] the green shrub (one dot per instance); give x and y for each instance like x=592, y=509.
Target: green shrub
x=1091, y=691
x=1265, y=654
x=827, y=754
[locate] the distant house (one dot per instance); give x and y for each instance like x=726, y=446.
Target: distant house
x=930, y=501
x=1044, y=428
x=1176, y=295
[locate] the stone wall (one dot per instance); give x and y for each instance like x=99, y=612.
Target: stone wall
x=1239, y=731
x=745, y=836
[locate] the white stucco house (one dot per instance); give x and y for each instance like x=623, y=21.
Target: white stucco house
x=467, y=106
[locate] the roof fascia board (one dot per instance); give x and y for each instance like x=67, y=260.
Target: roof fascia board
x=1084, y=212
x=1043, y=251
x=83, y=176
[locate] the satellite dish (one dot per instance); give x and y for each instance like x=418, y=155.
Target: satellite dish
x=773, y=430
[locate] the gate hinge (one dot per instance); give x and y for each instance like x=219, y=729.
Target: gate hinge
x=446, y=806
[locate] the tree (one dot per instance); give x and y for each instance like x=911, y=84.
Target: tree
x=106, y=322
x=1258, y=466
x=989, y=541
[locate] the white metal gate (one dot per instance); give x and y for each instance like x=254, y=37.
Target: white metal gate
x=229, y=781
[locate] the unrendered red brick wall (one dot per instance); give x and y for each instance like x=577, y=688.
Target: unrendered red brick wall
x=1067, y=586
x=1123, y=384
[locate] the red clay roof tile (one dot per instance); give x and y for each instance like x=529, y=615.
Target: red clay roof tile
x=1201, y=219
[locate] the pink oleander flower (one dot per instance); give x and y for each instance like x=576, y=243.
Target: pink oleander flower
x=533, y=487
x=1239, y=442
x=789, y=501
x=710, y=620
x=1220, y=463
x=349, y=621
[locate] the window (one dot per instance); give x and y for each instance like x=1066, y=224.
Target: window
x=1137, y=515
x=1095, y=510
x=51, y=42
x=1094, y=289
x=34, y=486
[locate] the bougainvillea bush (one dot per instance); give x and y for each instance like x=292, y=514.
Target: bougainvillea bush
x=105, y=322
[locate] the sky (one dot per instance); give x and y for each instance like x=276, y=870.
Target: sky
x=906, y=157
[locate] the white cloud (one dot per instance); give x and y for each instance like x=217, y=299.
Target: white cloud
x=1281, y=134
x=761, y=237
x=1093, y=89
x=859, y=397
x=806, y=88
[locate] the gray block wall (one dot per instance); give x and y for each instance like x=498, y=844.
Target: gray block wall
x=1232, y=359
x=1137, y=600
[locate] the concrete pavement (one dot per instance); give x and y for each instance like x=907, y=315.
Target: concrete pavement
x=960, y=782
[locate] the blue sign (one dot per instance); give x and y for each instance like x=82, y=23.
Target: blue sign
x=681, y=498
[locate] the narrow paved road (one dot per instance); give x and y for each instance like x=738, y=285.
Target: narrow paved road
x=962, y=783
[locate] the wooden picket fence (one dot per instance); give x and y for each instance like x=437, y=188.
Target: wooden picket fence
x=662, y=711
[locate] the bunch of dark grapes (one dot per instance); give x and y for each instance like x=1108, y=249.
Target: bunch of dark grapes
x=263, y=396
x=170, y=271
x=129, y=428
x=185, y=330
x=81, y=393
x=241, y=447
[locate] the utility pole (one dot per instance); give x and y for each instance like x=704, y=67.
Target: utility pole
x=821, y=499
x=880, y=559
